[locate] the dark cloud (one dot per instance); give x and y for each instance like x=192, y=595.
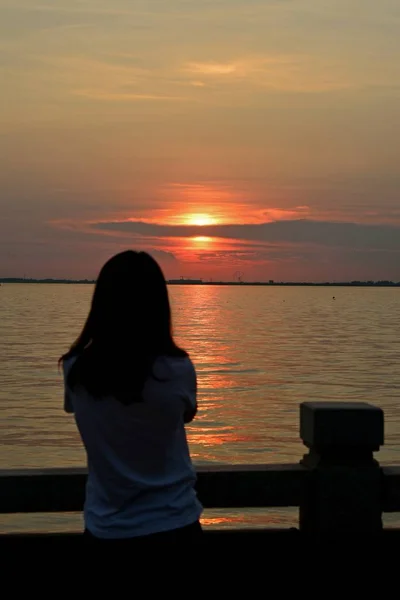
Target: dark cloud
x=260, y=254
x=353, y=236
x=229, y=256
x=161, y=255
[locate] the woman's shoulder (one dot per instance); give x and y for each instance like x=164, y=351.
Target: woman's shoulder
x=174, y=367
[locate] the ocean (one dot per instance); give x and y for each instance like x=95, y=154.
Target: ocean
x=259, y=352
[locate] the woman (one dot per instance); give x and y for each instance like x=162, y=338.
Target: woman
x=131, y=389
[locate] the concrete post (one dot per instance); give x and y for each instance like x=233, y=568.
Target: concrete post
x=345, y=485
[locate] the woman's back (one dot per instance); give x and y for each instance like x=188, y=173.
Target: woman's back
x=141, y=479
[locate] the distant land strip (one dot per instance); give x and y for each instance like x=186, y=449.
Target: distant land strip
x=4, y=280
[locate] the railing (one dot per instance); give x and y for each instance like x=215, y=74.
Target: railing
x=338, y=485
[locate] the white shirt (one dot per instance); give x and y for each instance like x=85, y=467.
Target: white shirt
x=140, y=475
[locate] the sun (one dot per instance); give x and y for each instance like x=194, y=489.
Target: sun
x=201, y=242
x=201, y=238
x=199, y=220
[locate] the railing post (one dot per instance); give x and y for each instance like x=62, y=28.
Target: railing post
x=344, y=490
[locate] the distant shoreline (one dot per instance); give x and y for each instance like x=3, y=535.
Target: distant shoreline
x=6, y=280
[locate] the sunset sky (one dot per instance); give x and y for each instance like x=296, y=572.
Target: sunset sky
x=221, y=135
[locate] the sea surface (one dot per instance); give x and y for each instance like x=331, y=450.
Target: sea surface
x=259, y=352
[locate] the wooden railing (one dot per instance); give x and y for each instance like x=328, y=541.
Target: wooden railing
x=338, y=486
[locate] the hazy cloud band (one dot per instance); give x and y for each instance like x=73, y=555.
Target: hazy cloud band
x=331, y=234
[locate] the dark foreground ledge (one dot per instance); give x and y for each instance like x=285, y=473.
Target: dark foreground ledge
x=338, y=486
x=239, y=486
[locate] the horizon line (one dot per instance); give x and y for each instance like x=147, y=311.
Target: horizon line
x=189, y=281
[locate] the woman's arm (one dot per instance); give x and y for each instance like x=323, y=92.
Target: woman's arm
x=68, y=406
x=190, y=414
x=191, y=406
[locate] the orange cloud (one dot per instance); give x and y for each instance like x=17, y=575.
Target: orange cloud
x=125, y=97
x=220, y=203
x=281, y=71
x=212, y=68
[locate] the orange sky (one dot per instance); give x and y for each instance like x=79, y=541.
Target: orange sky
x=161, y=125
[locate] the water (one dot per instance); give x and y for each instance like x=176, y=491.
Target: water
x=258, y=351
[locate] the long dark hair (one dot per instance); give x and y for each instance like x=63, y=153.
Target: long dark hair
x=129, y=325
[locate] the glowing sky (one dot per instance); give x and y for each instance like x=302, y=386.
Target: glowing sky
x=221, y=135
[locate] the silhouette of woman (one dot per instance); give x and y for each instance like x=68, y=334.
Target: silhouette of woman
x=131, y=390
